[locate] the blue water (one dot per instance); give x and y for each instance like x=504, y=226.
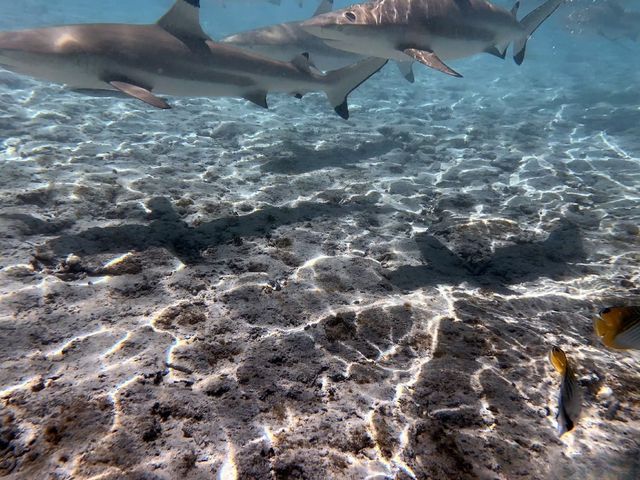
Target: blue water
x=222, y=291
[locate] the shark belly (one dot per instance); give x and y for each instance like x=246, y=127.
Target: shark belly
x=454, y=48
x=199, y=88
x=72, y=73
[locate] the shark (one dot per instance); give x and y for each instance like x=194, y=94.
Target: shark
x=284, y=40
x=431, y=32
x=608, y=19
x=174, y=57
x=273, y=2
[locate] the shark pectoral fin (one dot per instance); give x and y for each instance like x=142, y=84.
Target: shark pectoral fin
x=259, y=98
x=495, y=51
x=430, y=59
x=406, y=69
x=141, y=94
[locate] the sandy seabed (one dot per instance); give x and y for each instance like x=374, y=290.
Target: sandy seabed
x=218, y=290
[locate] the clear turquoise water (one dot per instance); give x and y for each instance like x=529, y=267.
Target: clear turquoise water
x=223, y=291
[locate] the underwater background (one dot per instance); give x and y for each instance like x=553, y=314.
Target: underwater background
x=221, y=291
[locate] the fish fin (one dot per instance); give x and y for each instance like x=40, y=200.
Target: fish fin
x=629, y=338
x=343, y=110
x=610, y=323
x=599, y=327
x=565, y=422
x=302, y=62
x=558, y=359
x=430, y=59
x=530, y=24
x=325, y=7
x=493, y=50
x=258, y=98
x=340, y=83
x=406, y=69
x=514, y=9
x=140, y=93
x=183, y=20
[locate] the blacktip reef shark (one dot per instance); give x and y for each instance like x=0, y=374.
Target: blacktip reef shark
x=429, y=31
x=285, y=40
x=172, y=57
x=608, y=19
x=274, y=2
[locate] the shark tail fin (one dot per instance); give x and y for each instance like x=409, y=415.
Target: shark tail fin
x=340, y=83
x=530, y=24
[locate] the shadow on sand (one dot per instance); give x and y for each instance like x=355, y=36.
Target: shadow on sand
x=167, y=230
x=553, y=257
x=294, y=159
x=512, y=264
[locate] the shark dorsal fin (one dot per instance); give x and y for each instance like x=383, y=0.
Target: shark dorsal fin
x=183, y=20
x=514, y=9
x=325, y=7
x=302, y=62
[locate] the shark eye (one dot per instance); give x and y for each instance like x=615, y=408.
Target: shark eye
x=350, y=16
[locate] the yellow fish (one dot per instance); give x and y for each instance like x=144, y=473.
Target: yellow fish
x=570, y=397
x=619, y=327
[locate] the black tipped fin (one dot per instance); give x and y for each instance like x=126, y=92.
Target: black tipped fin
x=183, y=20
x=140, y=93
x=519, y=56
x=530, y=24
x=343, y=110
x=514, y=9
x=430, y=59
x=496, y=52
x=406, y=70
x=303, y=63
x=298, y=96
x=258, y=98
x=325, y=7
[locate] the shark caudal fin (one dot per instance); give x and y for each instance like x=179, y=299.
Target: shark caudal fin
x=530, y=24
x=340, y=83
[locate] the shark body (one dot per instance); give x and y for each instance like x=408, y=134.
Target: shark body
x=171, y=57
x=608, y=19
x=283, y=41
x=429, y=31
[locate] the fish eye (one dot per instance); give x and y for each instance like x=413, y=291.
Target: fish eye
x=350, y=16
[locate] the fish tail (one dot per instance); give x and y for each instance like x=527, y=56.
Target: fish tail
x=608, y=324
x=530, y=24
x=558, y=359
x=340, y=83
